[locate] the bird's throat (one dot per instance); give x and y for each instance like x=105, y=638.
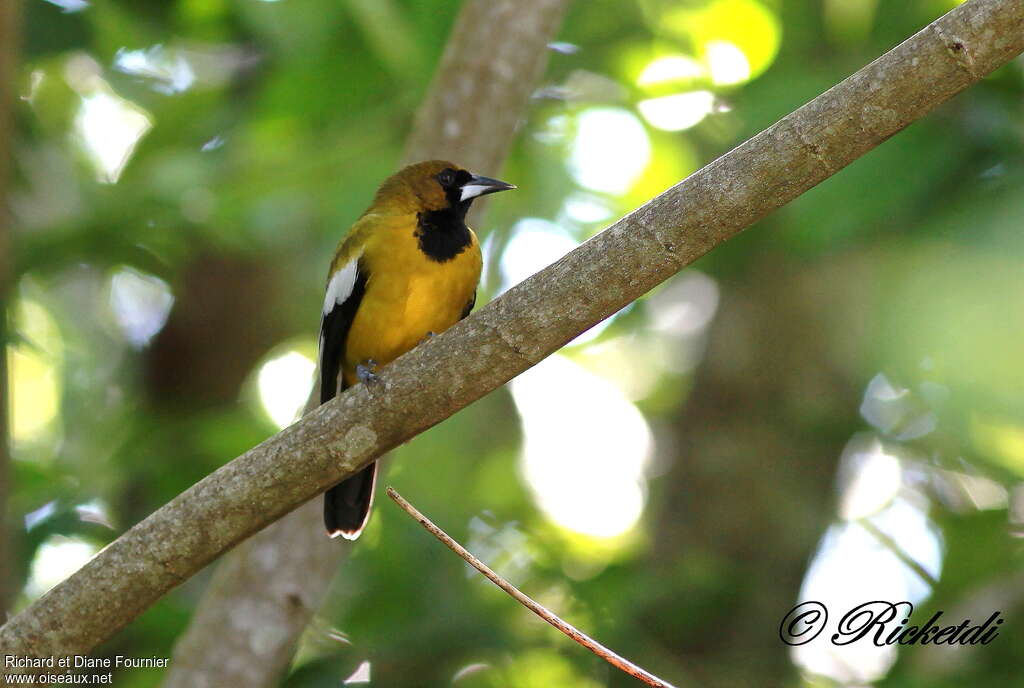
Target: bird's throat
x=443, y=234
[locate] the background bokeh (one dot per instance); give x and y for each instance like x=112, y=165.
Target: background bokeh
x=827, y=407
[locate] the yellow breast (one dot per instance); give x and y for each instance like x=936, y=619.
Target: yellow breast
x=408, y=295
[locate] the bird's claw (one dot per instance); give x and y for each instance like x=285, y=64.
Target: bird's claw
x=427, y=337
x=365, y=372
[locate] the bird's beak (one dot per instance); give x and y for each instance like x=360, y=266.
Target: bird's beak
x=481, y=186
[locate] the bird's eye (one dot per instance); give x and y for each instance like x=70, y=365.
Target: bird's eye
x=446, y=177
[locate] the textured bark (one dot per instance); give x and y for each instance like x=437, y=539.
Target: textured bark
x=496, y=55
x=9, y=43
x=265, y=591
x=520, y=328
x=257, y=604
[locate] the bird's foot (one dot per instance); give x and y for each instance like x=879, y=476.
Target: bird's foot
x=365, y=371
x=427, y=337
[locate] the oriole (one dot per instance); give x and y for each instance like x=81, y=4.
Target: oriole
x=407, y=269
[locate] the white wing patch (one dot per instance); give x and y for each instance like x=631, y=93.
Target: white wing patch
x=339, y=288
x=341, y=285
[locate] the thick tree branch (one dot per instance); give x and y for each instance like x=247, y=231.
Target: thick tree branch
x=267, y=589
x=493, y=61
x=520, y=328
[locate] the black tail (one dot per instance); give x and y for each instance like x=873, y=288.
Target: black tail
x=347, y=504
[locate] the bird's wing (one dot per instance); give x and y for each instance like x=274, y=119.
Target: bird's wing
x=469, y=306
x=345, y=289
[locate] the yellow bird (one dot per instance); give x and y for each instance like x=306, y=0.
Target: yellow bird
x=407, y=269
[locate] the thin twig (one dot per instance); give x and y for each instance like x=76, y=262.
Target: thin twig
x=579, y=636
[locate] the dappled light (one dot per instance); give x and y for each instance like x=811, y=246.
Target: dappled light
x=969, y=492
x=898, y=412
x=34, y=365
x=34, y=397
x=610, y=150
x=283, y=383
x=585, y=448
x=853, y=566
x=670, y=68
x=170, y=71
x=727, y=64
x=535, y=244
x=871, y=478
x=748, y=26
x=360, y=676
x=107, y=127
x=70, y=5
x=679, y=111
x=141, y=304
x=586, y=209
x=642, y=364
x=884, y=547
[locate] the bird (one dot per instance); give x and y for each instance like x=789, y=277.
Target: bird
x=407, y=269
